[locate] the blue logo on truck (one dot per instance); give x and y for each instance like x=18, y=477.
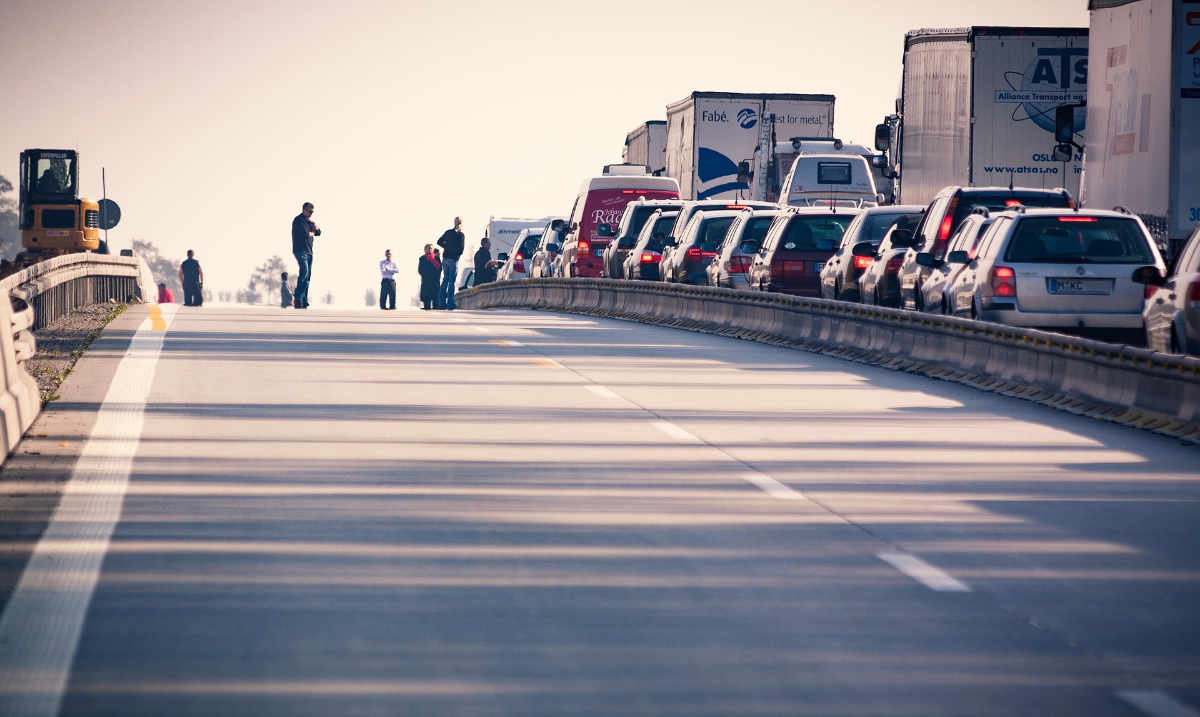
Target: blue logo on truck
x=747, y=118
x=1058, y=76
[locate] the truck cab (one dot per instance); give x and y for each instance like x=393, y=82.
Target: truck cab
x=52, y=215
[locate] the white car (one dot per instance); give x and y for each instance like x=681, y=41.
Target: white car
x=1063, y=270
x=520, y=261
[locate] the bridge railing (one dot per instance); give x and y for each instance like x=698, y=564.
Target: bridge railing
x=41, y=294
x=1118, y=383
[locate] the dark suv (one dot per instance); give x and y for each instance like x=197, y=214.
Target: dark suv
x=947, y=210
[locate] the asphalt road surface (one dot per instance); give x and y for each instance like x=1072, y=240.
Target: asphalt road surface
x=525, y=513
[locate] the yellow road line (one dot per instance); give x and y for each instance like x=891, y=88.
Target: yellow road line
x=157, y=322
x=549, y=363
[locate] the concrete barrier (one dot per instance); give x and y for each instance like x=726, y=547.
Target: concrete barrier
x=1128, y=385
x=41, y=294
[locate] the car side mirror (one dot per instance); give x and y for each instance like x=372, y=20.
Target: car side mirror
x=902, y=238
x=926, y=259
x=958, y=257
x=865, y=248
x=880, y=197
x=1064, y=125
x=553, y=248
x=744, y=173
x=557, y=225
x=1063, y=152
x=502, y=256
x=883, y=137
x=604, y=230
x=1148, y=275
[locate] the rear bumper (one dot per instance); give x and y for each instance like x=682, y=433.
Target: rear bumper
x=1037, y=319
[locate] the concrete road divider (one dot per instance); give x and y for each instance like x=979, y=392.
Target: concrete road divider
x=1127, y=385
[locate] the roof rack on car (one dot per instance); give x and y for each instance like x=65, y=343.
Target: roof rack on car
x=980, y=209
x=1121, y=209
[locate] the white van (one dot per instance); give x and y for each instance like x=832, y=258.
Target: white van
x=825, y=180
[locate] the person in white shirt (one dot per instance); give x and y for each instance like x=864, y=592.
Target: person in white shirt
x=387, y=285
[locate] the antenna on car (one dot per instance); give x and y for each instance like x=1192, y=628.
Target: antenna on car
x=1011, y=172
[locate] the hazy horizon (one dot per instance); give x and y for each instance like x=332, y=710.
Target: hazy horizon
x=215, y=121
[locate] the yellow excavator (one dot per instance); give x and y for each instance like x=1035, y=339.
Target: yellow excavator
x=53, y=219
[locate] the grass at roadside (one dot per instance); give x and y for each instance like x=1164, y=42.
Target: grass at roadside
x=62, y=344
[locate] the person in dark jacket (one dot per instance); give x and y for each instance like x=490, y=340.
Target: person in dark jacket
x=485, y=268
x=452, y=243
x=430, y=270
x=192, y=278
x=303, y=231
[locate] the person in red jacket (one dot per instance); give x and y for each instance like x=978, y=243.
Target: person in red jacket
x=164, y=295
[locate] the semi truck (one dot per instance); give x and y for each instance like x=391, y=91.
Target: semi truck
x=646, y=144
x=977, y=108
x=710, y=133
x=1143, y=114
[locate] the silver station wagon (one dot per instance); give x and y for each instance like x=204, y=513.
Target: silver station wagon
x=1071, y=271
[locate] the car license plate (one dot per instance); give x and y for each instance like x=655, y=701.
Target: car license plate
x=597, y=252
x=818, y=266
x=1064, y=285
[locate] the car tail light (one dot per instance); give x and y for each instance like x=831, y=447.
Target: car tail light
x=1012, y=202
x=737, y=206
x=862, y=262
x=1194, y=292
x=708, y=254
x=518, y=264
x=648, y=258
x=738, y=264
x=633, y=191
x=1004, y=281
x=1148, y=290
x=693, y=253
x=948, y=221
x=583, y=244
x=894, y=264
x=1077, y=219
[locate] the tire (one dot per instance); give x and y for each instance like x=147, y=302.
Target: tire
x=1175, y=346
x=918, y=298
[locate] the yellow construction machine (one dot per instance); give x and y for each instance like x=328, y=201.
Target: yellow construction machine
x=54, y=219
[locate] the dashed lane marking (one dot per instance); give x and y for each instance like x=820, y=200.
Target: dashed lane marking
x=601, y=391
x=928, y=575
x=548, y=363
x=504, y=342
x=1156, y=703
x=44, y=618
x=674, y=431
x=772, y=487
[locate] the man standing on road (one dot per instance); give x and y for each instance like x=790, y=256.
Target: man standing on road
x=387, y=285
x=452, y=244
x=192, y=278
x=303, y=231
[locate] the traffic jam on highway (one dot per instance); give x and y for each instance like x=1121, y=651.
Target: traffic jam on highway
x=973, y=202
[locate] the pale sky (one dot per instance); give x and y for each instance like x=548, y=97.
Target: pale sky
x=216, y=119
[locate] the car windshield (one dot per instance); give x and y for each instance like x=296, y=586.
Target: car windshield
x=876, y=225
x=712, y=232
x=752, y=235
x=815, y=233
x=1079, y=240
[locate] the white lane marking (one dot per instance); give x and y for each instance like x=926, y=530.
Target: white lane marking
x=674, y=431
x=481, y=329
x=458, y=320
x=505, y=342
x=601, y=391
x=43, y=620
x=931, y=577
x=772, y=487
x=1156, y=703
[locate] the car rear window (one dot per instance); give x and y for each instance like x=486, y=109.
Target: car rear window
x=712, y=232
x=1002, y=201
x=753, y=234
x=529, y=246
x=814, y=233
x=876, y=225
x=1079, y=240
x=659, y=232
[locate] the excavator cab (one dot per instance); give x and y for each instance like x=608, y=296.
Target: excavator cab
x=53, y=217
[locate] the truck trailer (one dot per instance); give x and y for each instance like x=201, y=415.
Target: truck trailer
x=1143, y=114
x=977, y=108
x=647, y=144
x=709, y=133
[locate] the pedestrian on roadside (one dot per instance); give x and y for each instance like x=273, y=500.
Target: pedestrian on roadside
x=285, y=293
x=164, y=294
x=303, y=231
x=430, y=270
x=485, y=268
x=452, y=240
x=387, y=284
x=192, y=278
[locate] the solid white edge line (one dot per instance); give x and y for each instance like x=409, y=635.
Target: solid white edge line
x=772, y=487
x=928, y=575
x=674, y=431
x=43, y=620
x=601, y=391
x=1156, y=703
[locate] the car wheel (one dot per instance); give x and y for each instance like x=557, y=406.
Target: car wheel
x=918, y=298
x=974, y=312
x=1176, y=346
x=945, y=307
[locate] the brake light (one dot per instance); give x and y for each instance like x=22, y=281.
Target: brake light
x=693, y=253
x=1148, y=290
x=862, y=262
x=1077, y=219
x=1004, y=281
x=649, y=258
x=738, y=264
x=633, y=191
x=519, y=258
x=894, y=264
x=737, y=206
x=1012, y=202
x=583, y=244
x=1194, y=292
x=708, y=254
x=944, y=229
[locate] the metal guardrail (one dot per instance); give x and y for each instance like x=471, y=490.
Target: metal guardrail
x=1123, y=384
x=41, y=294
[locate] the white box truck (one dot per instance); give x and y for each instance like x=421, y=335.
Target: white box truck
x=709, y=133
x=1143, y=114
x=977, y=108
x=647, y=144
